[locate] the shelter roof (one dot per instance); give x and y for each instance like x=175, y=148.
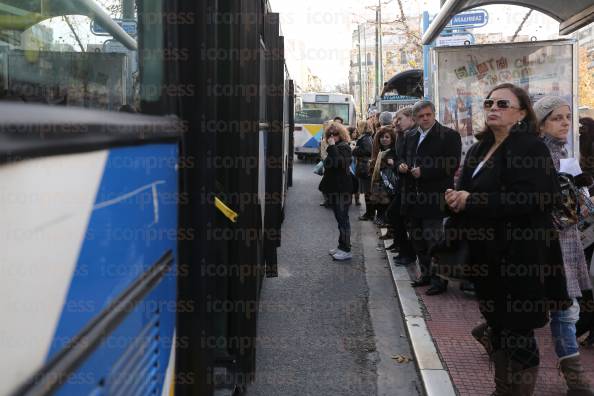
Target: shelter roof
x=572, y=15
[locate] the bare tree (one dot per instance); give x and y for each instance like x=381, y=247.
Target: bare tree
x=521, y=25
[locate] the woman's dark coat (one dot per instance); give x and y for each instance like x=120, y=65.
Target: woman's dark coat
x=337, y=175
x=515, y=254
x=364, y=147
x=362, y=153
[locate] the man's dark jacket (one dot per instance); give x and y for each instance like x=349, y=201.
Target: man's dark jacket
x=438, y=157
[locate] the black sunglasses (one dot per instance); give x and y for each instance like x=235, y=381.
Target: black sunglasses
x=501, y=104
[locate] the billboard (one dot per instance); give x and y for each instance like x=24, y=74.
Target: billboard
x=463, y=77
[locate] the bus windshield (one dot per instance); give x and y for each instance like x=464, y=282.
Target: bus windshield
x=72, y=53
x=318, y=113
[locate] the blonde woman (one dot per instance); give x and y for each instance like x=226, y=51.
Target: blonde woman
x=337, y=185
x=323, y=155
x=362, y=154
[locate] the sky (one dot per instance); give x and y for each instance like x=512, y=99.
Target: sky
x=318, y=33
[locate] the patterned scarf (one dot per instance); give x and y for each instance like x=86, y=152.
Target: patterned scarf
x=556, y=145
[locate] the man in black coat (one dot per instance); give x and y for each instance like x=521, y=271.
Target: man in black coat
x=429, y=159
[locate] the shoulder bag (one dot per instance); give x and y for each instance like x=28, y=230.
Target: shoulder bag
x=319, y=168
x=574, y=207
x=451, y=255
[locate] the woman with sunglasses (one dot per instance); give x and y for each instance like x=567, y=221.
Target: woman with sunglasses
x=553, y=114
x=337, y=185
x=503, y=210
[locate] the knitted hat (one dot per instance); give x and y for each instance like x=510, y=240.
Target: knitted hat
x=546, y=105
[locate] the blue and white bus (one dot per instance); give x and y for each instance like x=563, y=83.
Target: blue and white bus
x=315, y=110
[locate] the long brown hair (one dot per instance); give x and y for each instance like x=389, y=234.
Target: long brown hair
x=376, y=139
x=525, y=104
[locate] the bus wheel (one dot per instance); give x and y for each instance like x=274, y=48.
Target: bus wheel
x=300, y=157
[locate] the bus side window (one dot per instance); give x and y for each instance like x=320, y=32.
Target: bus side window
x=59, y=52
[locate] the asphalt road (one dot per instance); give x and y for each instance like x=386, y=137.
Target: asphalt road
x=321, y=330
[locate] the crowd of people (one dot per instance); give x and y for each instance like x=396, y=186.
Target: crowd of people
x=507, y=213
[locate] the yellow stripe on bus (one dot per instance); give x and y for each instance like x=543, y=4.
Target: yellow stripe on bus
x=228, y=212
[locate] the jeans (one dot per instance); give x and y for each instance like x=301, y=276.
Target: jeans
x=563, y=330
x=340, y=206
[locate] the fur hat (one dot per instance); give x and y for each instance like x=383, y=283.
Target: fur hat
x=546, y=105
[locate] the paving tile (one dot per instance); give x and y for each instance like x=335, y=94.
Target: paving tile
x=451, y=316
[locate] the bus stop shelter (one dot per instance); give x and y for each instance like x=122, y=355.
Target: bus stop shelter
x=572, y=15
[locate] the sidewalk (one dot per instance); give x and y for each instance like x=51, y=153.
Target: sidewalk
x=449, y=317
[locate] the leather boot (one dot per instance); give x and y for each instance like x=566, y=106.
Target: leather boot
x=577, y=383
x=482, y=334
x=502, y=383
x=523, y=381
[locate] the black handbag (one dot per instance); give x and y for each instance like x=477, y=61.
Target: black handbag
x=362, y=169
x=575, y=206
x=451, y=255
x=453, y=262
x=389, y=180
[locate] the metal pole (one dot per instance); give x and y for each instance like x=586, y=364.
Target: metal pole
x=360, y=73
x=366, y=64
x=105, y=20
x=377, y=55
x=426, y=54
x=128, y=9
x=381, y=50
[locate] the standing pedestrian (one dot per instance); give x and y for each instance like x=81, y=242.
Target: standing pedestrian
x=323, y=154
x=404, y=123
x=553, y=115
x=338, y=119
x=586, y=322
x=503, y=208
x=382, y=164
x=429, y=160
x=362, y=154
x=354, y=135
x=337, y=185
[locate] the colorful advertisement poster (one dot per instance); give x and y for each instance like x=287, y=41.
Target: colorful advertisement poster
x=465, y=75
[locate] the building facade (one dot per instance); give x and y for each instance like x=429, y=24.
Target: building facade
x=400, y=50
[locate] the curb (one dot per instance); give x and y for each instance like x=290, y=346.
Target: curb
x=435, y=377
